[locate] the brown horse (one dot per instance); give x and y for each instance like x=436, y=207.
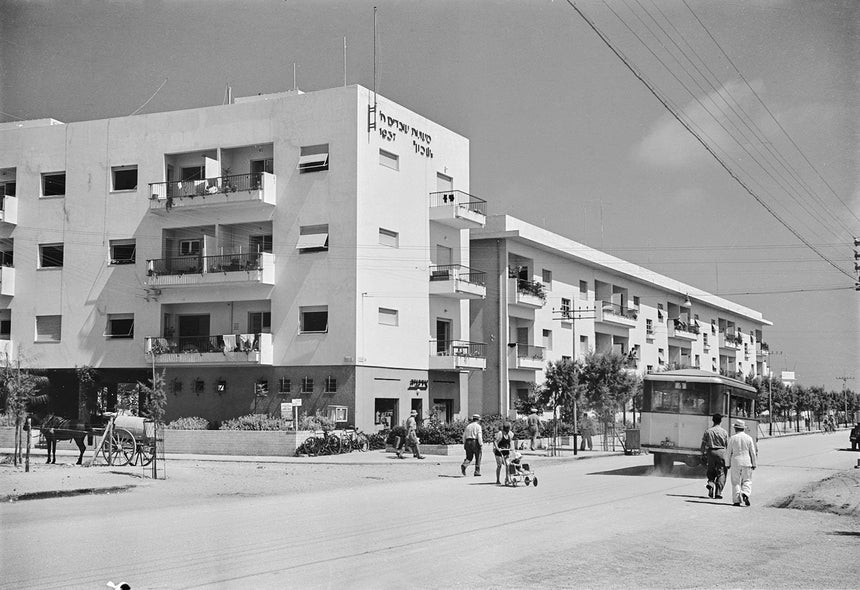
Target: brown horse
x=56, y=428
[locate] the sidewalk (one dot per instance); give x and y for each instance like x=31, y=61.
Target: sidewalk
x=67, y=479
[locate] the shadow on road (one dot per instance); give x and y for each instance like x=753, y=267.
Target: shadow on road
x=845, y=533
x=679, y=471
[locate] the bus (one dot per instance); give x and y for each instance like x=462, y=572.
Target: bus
x=677, y=407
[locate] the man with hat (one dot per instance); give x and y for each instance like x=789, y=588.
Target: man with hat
x=411, y=437
x=533, y=424
x=714, y=444
x=741, y=458
x=473, y=441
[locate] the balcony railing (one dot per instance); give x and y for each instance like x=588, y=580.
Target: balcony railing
x=233, y=187
x=445, y=272
x=255, y=348
x=533, y=288
x=204, y=264
x=460, y=199
x=458, y=348
x=683, y=326
x=527, y=351
x=615, y=309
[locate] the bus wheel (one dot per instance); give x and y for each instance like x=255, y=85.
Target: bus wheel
x=663, y=463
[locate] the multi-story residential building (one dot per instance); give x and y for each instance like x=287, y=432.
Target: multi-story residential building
x=307, y=246
x=549, y=297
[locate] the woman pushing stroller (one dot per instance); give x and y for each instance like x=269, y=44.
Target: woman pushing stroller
x=502, y=445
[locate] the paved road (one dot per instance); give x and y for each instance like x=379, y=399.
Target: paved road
x=605, y=522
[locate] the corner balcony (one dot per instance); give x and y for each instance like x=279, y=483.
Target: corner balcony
x=9, y=209
x=528, y=294
x=7, y=280
x=226, y=349
x=614, y=314
x=256, y=268
x=762, y=351
x=457, y=281
x=729, y=341
x=455, y=355
x=525, y=356
x=683, y=330
x=258, y=187
x=458, y=209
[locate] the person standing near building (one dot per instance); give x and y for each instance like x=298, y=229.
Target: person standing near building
x=533, y=424
x=411, y=437
x=473, y=441
x=586, y=430
x=714, y=443
x=502, y=445
x=741, y=458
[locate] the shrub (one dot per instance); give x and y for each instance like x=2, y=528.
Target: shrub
x=316, y=422
x=376, y=440
x=255, y=422
x=7, y=420
x=189, y=423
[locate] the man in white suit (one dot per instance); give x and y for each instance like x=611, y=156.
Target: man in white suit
x=741, y=458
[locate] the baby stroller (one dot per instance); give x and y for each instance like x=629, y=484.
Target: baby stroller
x=517, y=471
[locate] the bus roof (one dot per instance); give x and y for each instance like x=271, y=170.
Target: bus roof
x=698, y=376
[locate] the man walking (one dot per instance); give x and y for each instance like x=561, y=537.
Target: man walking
x=473, y=441
x=533, y=424
x=741, y=458
x=714, y=443
x=411, y=437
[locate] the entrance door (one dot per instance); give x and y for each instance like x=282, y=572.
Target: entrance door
x=443, y=337
x=444, y=409
x=194, y=333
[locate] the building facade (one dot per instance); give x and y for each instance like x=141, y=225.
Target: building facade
x=294, y=246
x=549, y=298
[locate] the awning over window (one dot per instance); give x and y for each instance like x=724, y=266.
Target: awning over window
x=312, y=241
x=313, y=161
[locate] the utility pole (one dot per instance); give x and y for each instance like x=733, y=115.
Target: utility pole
x=569, y=315
x=845, y=379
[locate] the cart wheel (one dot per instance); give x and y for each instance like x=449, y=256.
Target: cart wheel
x=528, y=480
x=146, y=453
x=534, y=482
x=123, y=447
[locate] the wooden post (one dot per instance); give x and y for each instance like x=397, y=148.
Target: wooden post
x=29, y=438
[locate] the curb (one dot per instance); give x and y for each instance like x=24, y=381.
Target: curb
x=63, y=493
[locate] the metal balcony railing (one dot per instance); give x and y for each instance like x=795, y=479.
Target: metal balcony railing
x=459, y=198
x=458, y=348
x=209, y=186
x=444, y=272
x=616, y=309
x=204, y=264
x=204, y=344
x=528, y=351
x=531, y=288
x=683, y=326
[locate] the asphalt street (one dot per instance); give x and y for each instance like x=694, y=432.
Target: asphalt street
x=607, y=522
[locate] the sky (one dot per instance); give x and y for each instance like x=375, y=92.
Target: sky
x=563, y=134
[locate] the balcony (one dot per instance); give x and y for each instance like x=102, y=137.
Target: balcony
x=226, y=349
x=682, y=330
x=525, y=293
x=458, y=209
x=525, y=356
x=258, y=187
x=730, y=341
x=455, y=355
x=762, y=351
x=258, y=267
x=8, y=209
x=614, y=314
x=7, y=280
x=457, y=281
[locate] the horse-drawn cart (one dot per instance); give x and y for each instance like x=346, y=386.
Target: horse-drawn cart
x=128, y=440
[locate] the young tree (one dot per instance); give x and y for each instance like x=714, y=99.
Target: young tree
x=154, y=398
x=560, y=386
x=605, y=385
x=21, y=391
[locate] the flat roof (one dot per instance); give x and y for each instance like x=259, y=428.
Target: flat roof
x=508, y=227
x=698, y=376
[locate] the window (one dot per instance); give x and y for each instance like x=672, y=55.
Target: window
x=50, y=255
x=120, y=325
x=260, y=243
x=313, y=238
x=649, y=327
x=307, y=385
x=565, y=358
x=260, y=322
x=388, y=317
x=122, y=251
x=705, y=341
x=192, y=173
x=313, y=158
x=659, y=312
x=330, y=385
x=124, y=178
x=7, y=189
x=389, y=160
x=284, y=385
x=313, y=318
x=189, y=247
x=5, y=329
x=338, y=413
x=261, y=388
x=389, y=238
x=636, y=301
x=547, y=339
x=177, y=386
x=199, y=386
x=583, y=345
x=48, y=328
x=583, y=289
x=53, y=184
x=565, y=309
x=546, y=275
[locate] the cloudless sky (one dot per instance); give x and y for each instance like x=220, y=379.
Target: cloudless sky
x=562, y=133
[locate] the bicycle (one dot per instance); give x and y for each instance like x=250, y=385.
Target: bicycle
x=328, y=443
x=353, y=440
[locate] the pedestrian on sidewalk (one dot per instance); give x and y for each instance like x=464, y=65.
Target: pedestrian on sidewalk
x=533, y=424
x=714, y=443
x=411, y=437
x=741, y=458
x=473, y=441
x=586, y=431
x=502, y=445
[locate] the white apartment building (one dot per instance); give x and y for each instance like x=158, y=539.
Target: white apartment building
x=549, y=297
x=288, y=246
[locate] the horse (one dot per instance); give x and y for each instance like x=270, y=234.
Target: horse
x=56, y=428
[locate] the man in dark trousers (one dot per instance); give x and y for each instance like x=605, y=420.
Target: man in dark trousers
x=473, y=441
x=533, y=424
x=714, y=443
